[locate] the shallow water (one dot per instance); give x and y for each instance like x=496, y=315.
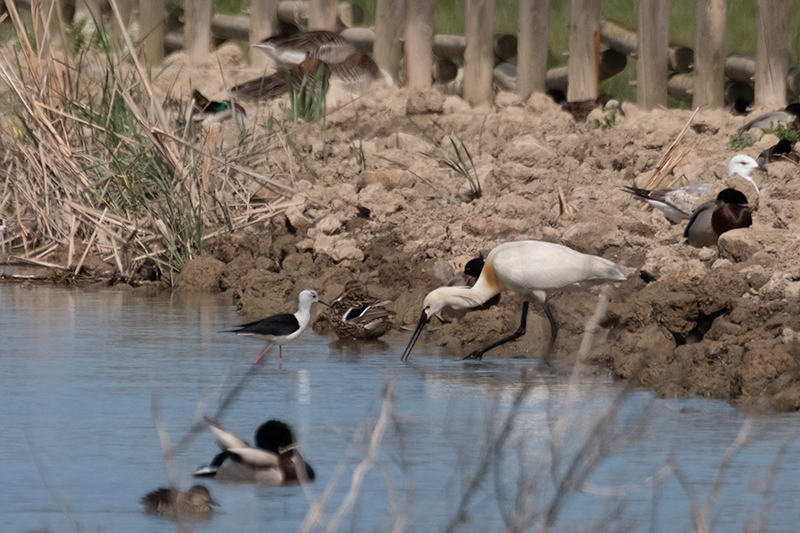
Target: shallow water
x=79, y=448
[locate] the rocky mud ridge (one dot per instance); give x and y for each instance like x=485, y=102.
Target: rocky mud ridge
x=379, y=203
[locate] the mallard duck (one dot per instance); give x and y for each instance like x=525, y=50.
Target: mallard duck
x=289, y=50
x=195, y=503
x=206, y=112
x=272, y=462
x=788, y=116
x=356, y=315
x=783, y=150
x=677, y=204
x=712, y=219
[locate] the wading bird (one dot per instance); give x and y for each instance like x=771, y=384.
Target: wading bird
x=712, y=219
x=356, y=315
x=282, y=328
x=193, y=504
x=677, y=204
x=529, y=268
x=273, y=461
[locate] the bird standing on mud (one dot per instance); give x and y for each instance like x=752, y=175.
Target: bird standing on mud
x=356, y=315
x=529, y=268
x=712, y=219
x=282, y=328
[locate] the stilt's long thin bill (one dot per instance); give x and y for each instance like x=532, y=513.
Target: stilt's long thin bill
x=262, y=354
x=421, y=324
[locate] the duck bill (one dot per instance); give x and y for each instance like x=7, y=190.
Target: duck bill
x=423, y=319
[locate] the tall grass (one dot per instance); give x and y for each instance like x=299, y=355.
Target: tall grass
x=89, y=150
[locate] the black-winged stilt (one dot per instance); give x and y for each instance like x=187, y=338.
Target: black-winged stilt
x=712, y=219
x=194, y=504
x=272, y=461
x=528, y=268
x=678, y=204
x=282, y=328
x=356, y=315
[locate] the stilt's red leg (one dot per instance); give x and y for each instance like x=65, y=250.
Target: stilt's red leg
x=262, y=354
x=280, y=357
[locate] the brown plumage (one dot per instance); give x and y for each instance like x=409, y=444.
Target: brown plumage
x=277, y=84
x=288, y=50
x=356, y=315
x=194, y=504
x=712, y=219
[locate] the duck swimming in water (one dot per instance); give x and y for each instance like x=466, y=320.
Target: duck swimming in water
x=273, y=461
x=195, y=503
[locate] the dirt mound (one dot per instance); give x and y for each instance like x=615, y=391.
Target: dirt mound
x=384, y=205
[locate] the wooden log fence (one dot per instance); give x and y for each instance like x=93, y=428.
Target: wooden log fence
x=704, y=75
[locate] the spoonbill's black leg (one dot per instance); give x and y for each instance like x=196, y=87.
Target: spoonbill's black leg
x=477, y=354
x=553, y=331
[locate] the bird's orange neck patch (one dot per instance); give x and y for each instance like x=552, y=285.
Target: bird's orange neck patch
x=490, y=278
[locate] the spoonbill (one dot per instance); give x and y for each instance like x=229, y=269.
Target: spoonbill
x=529, y=268
x=712, y=219
x=282, y=328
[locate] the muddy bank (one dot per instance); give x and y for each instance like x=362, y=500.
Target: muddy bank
x=381, y=204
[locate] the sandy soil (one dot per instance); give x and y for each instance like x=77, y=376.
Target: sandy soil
x=403, y=222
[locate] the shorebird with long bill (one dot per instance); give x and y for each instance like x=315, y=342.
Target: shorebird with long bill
x=529, y=268
x=282, y=328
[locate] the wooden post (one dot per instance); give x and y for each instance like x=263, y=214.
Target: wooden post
x=709, y=54
x=125, y=8
x=322, y=14
x=532, y=46
x=772, y=53
x=197, y=31
x=479, y=53
x=653, y=54
x=151, y=25
x=419, y=43
x=584, y=49
x=263, y=24
x=390, y=16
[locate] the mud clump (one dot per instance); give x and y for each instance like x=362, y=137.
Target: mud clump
x=381, y=202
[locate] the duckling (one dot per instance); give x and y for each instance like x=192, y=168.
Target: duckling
x=272, y=462
x=356, y=315
x=712, y=219
x=195, y=503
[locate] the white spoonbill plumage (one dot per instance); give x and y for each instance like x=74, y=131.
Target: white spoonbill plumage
x=282, y=328
x=678, y=204
x=529, y=268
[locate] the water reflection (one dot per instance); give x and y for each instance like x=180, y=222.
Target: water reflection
x=79, y=448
